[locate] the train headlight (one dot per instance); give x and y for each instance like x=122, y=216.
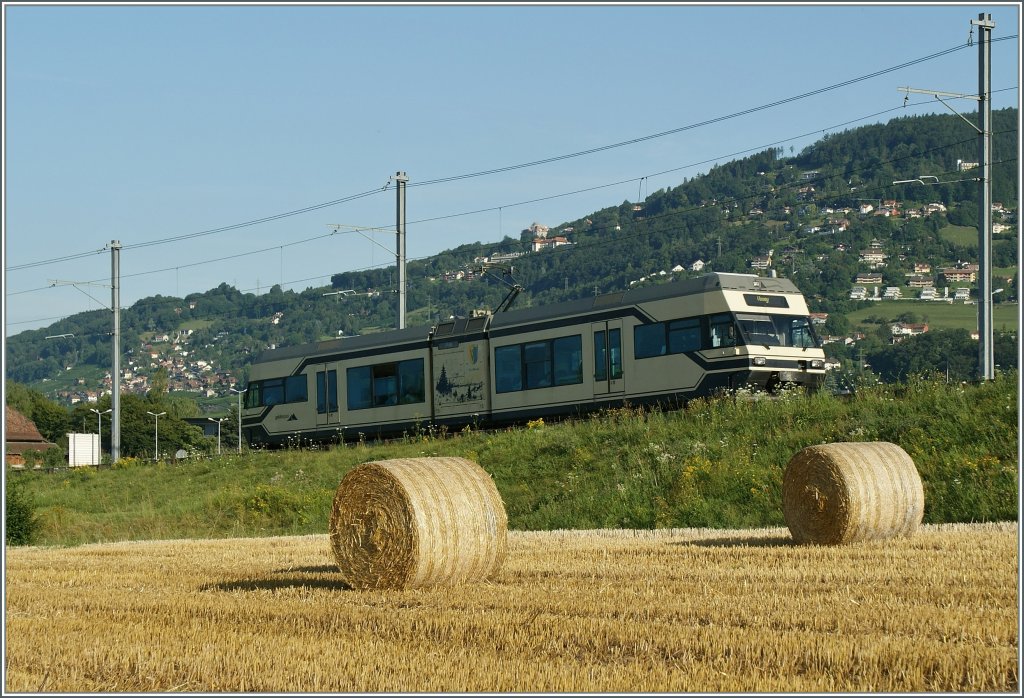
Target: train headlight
x=759, y=361
x=817, y=363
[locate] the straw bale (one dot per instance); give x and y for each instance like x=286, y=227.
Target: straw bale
x=847, y=492
x=417, y=522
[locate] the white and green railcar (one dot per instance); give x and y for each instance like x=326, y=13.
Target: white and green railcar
x=662, y=344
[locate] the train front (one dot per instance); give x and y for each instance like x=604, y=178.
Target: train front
x=775, y=334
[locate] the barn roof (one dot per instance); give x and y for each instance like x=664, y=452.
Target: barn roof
x=21, y=428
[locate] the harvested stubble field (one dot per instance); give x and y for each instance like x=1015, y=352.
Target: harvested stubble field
x=604, y=611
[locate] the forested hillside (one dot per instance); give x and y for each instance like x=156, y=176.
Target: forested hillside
x=800, y=211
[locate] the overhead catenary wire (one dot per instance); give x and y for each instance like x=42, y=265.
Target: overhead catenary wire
x=562, y=250
x=829, y=128
x=595, y=243
x=706, y=122
x=534, y=163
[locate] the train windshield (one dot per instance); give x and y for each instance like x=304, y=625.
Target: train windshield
x=777, y=330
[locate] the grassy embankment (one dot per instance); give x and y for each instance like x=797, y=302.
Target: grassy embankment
x=719, y=463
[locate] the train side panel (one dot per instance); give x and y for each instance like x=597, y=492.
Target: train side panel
x=460, y=379
x=541, y=371
x=384, y=393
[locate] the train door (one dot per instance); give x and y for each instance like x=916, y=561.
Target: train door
x=609, y=379
x=327, y=395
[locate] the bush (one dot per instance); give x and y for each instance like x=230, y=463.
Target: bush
x=21, y=523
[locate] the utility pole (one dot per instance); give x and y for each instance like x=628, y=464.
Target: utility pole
x=240, y=392
x=986, y=361
x=115, y=393
x=401, y=179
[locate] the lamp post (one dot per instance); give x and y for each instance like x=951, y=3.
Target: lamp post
x=218, y=421
x=99, y=432
x=239, y=417
x=156, y=433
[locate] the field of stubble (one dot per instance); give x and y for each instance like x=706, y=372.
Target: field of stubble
x=592, y=611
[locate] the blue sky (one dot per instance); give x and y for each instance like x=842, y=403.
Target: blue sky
x=147, y=123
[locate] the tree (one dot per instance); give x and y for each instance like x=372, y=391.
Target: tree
x=158, y=383
x=942, y=351
x=837, y=325
x=139, y=430
x=52, y=420
x=20, y=521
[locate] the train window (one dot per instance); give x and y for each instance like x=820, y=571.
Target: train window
x=273, y=392
x=537, y=362
x=799, y=331
x=326, y=391
x=600, y=356
x=721, y=331
x=649, y=340
x=684, y=335
x=296, y=388
x=615, y=345
x=759, y=329
x=332, y=390
x=386, y=384
x=568, y=360
x=252, y=395
x=359, y=395
x=508, y=369
x=410, y=381
x=541, y=364
x=276, y=391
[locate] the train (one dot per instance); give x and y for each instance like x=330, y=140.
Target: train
x=662, y=344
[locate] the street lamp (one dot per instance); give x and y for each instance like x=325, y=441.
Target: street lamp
x=156, y=433
x=239, y=417
x=218, y=421
x=99, y=432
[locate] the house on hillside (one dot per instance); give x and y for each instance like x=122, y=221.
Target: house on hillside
x=548, y=243
x=873, y=256
x=867, y=279
x=907, y=329
x=959, y=275
x=21, y=437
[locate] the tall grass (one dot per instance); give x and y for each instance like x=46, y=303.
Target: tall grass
x=718, y=463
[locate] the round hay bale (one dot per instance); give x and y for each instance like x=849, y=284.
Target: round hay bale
x=417, y=522
x=847, y=492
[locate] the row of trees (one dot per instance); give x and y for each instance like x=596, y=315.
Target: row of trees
x=138, y=425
